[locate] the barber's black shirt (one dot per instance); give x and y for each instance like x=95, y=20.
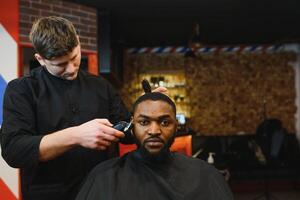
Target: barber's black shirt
x=40, y=104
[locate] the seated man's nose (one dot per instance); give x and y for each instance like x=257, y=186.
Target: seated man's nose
x=154, y=130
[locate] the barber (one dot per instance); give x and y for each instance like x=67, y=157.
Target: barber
x=57, y=121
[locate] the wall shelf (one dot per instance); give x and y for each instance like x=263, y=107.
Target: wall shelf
x=174, y=81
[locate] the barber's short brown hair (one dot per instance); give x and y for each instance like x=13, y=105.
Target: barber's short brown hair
x=53, y=36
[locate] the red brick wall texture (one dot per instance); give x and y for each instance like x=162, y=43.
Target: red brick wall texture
x=83, y=17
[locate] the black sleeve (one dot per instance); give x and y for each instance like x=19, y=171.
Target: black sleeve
x=118, y=112
x=19, y=142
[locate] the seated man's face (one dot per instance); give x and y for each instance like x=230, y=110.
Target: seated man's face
x=154, y=125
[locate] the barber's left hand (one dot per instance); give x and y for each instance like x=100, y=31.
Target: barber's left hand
x=161, y=89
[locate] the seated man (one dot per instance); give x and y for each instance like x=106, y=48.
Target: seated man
x=152, y=171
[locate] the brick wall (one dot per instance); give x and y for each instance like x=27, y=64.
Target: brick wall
x=83, y=17
x=224, y=94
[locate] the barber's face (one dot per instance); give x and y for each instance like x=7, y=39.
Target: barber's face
x=65, y=67
x=154, y=125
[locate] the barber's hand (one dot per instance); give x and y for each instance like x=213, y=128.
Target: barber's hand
x=160, y=89
x=97, y=134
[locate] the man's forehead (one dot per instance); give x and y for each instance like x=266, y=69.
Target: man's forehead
x=69, y=55
x=154, y=108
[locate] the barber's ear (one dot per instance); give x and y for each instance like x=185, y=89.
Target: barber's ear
x=39, y=58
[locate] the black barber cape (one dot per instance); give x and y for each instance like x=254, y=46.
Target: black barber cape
x=132, y=177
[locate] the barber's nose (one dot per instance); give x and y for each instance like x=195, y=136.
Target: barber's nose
x=71, y=68
x=154, y=129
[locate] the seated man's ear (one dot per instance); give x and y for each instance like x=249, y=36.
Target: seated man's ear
x=176, y=129
x=176, y=132
x=131, y=120
x=132, y=125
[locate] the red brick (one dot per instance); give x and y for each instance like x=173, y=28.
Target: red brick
x=70, y=5
x=88, y=9
x=92, y=29
x=84, y=39
x=92, y=41
x=48, y=13
x=61, y=10
x=33, y=18
x=72, y=18
x=41, y=6
x=24, y=39
x=34, y=1
x=88, y=34
x=24, y=3
x=29, y=11
x=25, y=25
x=24, y=17
x=24, y=31
x=87, y=22
x=80, y=26
x=89, y=47
x=83, y=17
x=93, y=17
x=80, y=13
x=50, y=2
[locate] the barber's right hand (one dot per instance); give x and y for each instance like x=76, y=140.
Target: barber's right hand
x=97, y=134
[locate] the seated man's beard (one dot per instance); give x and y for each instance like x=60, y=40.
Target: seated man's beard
x=162, y=156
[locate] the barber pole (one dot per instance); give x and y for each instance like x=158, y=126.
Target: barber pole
x=208, y=49
x=9, y=177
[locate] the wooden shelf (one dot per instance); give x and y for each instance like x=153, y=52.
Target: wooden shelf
x=176, y=80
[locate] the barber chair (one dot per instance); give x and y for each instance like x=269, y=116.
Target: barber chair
x=183, y=144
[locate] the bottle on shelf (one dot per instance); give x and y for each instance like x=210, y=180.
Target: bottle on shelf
x=210, y=158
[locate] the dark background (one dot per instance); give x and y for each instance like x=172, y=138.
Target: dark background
x=170, y=22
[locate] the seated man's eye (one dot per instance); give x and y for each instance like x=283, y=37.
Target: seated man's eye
x=143, y=122
x=165, y=123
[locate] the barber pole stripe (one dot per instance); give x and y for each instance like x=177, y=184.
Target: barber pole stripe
x=275, y=48
x=167, y=50
x=9, y=177
x=5, y=192
x=181, y=49
x=207, y=49
x=155, y=49
x=241, y=49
